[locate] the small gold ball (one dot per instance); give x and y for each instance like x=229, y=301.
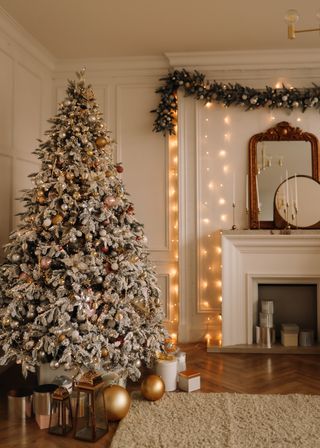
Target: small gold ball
x=57, y=219
x=69, y=175
x=41, y=199
x=104, y=353
x=61, y=338
x=109, y=173
x=101, y=142
x=76, y=195
x=118, y=401
x=152, y=388
x=90, y=152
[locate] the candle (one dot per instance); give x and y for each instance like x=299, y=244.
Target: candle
x=287, y=189
x=247, y=193
x=296, y=191
x=234, y=188
x=258, y=197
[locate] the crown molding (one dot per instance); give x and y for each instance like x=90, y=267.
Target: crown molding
x=25, y=40
x=113, y=65
x=246, y=60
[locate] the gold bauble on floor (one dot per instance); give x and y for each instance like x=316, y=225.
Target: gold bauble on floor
x=117, y=401
x=152, y=388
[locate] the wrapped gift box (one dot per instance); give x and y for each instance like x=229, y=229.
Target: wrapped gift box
x=189, y=380
x=289, y=335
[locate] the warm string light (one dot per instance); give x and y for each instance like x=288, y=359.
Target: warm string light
x=174, y=230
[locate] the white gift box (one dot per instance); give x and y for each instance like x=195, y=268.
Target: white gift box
x=167, y=369
x=189, y=380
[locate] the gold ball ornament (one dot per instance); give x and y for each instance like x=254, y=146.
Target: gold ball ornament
x=104, y=353
x=57, y=219
x=117, y=401
x=90, y=152
x=152, y=387
x=76, y=195
x=101, y=142
x=61, y=338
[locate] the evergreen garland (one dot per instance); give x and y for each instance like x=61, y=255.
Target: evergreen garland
x=227, y=94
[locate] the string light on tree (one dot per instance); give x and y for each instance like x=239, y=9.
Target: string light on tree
x=77, y=287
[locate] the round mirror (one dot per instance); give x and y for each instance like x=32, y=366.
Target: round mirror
x=296, y=203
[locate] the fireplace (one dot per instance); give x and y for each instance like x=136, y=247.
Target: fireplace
x=254, y=258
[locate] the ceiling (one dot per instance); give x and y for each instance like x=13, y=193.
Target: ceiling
x=110, y=28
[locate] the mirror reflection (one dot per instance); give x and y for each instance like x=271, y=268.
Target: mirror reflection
x=277, y=161
x=296, y=203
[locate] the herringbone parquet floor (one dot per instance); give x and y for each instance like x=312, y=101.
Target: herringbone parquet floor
x=241, y=373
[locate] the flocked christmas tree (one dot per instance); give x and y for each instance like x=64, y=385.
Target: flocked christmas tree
x=77, y=288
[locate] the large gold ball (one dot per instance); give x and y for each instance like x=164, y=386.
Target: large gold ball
x=152, y=388
x=101, y=142
x=118, y=401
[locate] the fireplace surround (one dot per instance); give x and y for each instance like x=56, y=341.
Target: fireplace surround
x=250, y=258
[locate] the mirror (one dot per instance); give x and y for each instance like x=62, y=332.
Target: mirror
x=296, y=203
x=274, y=156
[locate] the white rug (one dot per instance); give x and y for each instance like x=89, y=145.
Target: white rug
x=208, y=420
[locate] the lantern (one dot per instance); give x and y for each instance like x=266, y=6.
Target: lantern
x=60, y=422
x=95, y=424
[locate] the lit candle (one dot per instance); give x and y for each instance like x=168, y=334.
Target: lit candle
x=234, y=188
x=296, y=191
x=258, y=197
x=247, y=193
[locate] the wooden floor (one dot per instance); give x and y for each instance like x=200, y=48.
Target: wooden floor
x=241, y=373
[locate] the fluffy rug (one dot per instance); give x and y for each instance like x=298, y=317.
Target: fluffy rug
x=207, y=420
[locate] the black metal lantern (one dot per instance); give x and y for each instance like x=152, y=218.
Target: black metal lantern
x=95, y=424
x=60, y=413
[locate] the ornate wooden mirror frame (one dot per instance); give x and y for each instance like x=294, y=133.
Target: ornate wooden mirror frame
x=281, y=132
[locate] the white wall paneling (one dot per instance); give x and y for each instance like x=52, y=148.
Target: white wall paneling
x=26, y=98
x=144, y=156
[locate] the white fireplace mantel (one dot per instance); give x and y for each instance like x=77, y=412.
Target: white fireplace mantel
x=251, y=256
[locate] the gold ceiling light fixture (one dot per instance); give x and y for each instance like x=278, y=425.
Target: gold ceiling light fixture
x=292, y=17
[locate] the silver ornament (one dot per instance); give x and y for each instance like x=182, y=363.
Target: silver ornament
x=138, y=363
x=99, y=279
x=92, y=118
x=62, y=134
x=67, y=103
x=47, y=222
x=15, y=258
x=64, y=207
x=103, y=232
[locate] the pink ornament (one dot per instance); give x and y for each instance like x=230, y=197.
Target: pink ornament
x=45, y=263
x=110, y=201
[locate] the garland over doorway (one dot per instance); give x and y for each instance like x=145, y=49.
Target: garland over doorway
x=195, y=84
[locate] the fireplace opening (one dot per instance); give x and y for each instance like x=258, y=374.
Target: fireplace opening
x=292, y=303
